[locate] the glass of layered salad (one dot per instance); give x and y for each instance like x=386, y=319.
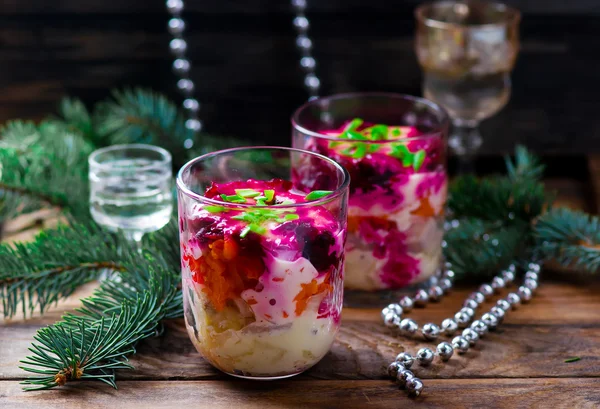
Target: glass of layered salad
x=262, y=258
x=394, y=147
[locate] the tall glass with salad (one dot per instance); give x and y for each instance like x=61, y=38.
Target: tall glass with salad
x=262, y=258
x=394, y=147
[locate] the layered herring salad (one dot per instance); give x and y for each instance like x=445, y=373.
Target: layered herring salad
x=398, y=188
x=262, y=284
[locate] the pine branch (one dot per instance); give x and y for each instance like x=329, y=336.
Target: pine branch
x=36, y=275
x=96, y=341
x=571, y=237
x=526, y=166
x=477, y=247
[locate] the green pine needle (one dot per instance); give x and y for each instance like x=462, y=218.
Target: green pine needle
x=571, y=237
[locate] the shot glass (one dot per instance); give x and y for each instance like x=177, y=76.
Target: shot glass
x=262, y=259
x=130, y=189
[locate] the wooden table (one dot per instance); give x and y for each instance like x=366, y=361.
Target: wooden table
x=520, y=365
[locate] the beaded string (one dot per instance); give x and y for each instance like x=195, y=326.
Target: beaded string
x=399, y=370
x=182, y=68
x=305, y=45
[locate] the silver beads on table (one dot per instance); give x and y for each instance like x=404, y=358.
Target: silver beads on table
x=514, y=300
x=460, y=344
x=435, y=293
x=498, y=284
x=470, y=336
x=304, y=44
x=479, y=327
x=503, y=304
x=490, y=321
x=406, y=303
x=425, y=356
x=486, y=290
x=478, y=297
x=525, y=294
x=403, y=376
x=508, y=277
x=405, y=359
x=445, y=284
x=445, y=351
x=531, y=275
x=498, y=312
x=393, y=308
x=414, y=386
x=430, y=331
x=421, y=298
x=408, y=326
x=531, y=284
x=449, y=326
x=462, y=319
x=470, y=303
x=182, y=67
x=393, y=369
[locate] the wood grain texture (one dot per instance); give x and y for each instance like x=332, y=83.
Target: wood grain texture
x=534, y=341
x=297, y=394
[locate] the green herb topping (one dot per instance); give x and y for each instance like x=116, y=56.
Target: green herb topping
x=317, y=194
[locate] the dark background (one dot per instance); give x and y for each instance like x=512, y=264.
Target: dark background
x=245, y=64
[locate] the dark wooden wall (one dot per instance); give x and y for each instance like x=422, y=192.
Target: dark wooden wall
x=246, y=71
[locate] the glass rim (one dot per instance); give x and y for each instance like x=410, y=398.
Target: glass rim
x=182, y=187
x=165, y=159
x=445, y=122
x=513, y=16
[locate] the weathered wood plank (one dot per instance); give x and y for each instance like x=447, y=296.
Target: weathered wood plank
x=469, y=393
x=535, y=340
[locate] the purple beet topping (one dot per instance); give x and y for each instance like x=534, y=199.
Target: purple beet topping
x=312, y=235
x=375, y=169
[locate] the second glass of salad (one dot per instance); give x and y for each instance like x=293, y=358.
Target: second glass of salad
x=394, y=147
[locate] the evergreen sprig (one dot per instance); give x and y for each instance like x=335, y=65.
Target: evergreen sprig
x=571, y=237
x=96, y=340
x=490, y=218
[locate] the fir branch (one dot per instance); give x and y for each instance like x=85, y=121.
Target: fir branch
x=96, y=341
x=36, y=275
x=526, y=165
x=476, y=247
x=571, y=237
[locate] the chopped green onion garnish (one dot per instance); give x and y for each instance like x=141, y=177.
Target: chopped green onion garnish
x=291, y=216
x=317, y=194
x=574, y=359
x=215, y=209
x=247, y=192
x=245, y=231
x=355, y=123
x=233, y=199
x=270, y=195
x=396, y=132
x=418, y=159
x=400, y=151
x=379, y=132
x=286, y=202
x=354, y=135
x=360, y=151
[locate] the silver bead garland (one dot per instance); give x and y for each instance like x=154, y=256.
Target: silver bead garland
x=182, y=67
x=305, y=45
x=473, y=331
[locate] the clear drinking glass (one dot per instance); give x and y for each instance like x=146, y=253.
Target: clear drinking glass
x=130, y=189
x=262, y=259
x=394, y=148
x=467, y=50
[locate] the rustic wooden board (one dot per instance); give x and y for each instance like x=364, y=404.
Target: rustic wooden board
x=520, y=365
x=297, y=394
